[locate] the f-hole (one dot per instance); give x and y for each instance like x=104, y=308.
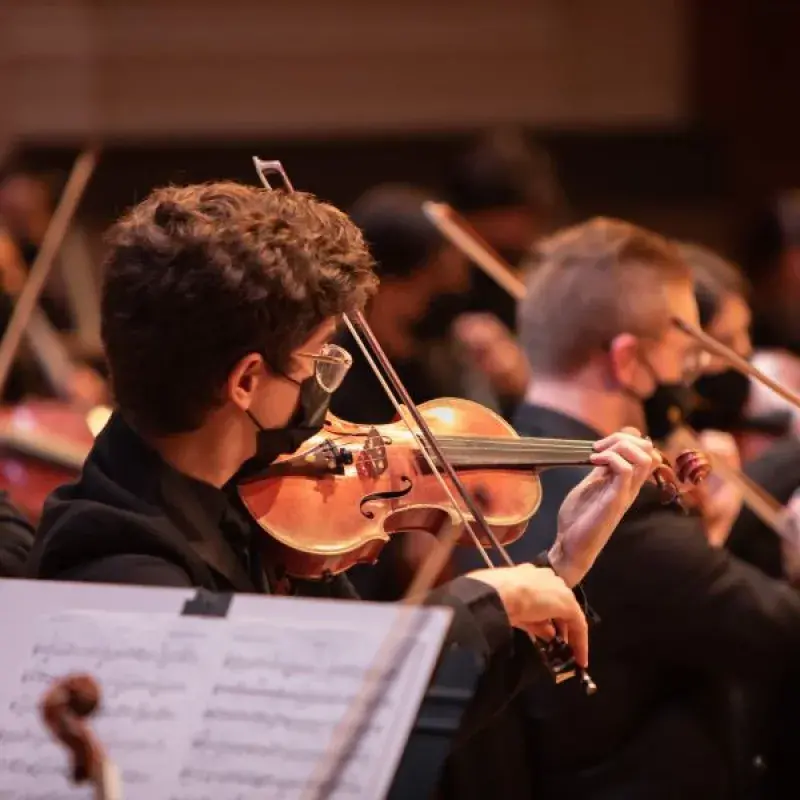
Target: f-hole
x=390, y=495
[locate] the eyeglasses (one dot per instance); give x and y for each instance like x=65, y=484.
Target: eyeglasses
x=331, y=364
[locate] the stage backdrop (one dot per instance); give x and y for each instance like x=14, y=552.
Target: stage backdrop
x=202, y=68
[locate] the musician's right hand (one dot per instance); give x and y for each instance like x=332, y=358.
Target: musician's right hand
x=534, y=598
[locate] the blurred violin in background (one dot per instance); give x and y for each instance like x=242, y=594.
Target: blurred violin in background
x=43, y=442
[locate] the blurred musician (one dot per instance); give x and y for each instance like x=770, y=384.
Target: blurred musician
x=678, y=617
x=475, y=358
x=415, y=266
x=218, y=306
x=774, y=465
x=763, y=404
x=507, y=188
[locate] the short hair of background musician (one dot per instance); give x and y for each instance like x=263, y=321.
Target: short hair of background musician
x=714, y=278
x=197, y=277
x=590, y=283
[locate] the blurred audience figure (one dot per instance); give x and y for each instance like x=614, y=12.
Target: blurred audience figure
x=771, y=258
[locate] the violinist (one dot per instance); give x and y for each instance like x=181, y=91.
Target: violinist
x=679, y=618
x=218, y=307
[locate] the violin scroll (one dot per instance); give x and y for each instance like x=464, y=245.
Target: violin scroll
x=65, y=708
x=691, y=467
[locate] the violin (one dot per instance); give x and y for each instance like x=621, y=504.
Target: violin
x=337, y=500
x=65, y=708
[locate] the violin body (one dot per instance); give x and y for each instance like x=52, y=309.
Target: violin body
x=42, y=446
x=336, y=502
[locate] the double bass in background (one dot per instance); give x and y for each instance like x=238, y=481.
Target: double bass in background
x=43, y=442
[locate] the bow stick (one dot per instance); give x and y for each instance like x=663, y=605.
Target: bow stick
x=395, y=646
x=25, y=306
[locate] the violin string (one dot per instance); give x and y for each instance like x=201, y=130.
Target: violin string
x=427, y=456
x=518, y=440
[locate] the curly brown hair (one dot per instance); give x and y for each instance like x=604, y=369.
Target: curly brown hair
x=197, y=277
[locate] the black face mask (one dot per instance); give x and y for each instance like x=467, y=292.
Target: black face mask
x=721, y=401
x=666, y=408
x=307, y=421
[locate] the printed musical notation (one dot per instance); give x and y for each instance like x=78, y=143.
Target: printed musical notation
x=197, y=708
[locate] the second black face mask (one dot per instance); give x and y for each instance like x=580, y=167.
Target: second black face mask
x=721, y=399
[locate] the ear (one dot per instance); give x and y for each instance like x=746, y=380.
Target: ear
x=243, y=380
x=623, y=353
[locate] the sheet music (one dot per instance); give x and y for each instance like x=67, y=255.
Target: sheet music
x=201, y=708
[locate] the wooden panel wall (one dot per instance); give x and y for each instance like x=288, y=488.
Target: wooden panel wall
x=203, y=68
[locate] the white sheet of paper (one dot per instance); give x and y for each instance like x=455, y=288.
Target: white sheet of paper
x=229, y=709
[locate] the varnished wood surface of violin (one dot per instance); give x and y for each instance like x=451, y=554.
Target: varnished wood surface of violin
x=42, y=446
x=336, y=502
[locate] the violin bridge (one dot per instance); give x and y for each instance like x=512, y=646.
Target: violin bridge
x=373, y=459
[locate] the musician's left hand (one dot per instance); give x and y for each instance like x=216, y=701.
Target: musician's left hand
x=591, y=511
x=493, y=349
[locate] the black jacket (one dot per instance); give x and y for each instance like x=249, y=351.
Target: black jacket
x=133, y=519
x=678, y=620
x=778, y=471
x=16, y=539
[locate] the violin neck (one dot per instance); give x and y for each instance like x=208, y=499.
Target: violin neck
x=491, y=452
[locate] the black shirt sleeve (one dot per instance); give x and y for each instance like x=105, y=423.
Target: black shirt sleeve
x=509, y=658
x=16, y=539
x=686, y=602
